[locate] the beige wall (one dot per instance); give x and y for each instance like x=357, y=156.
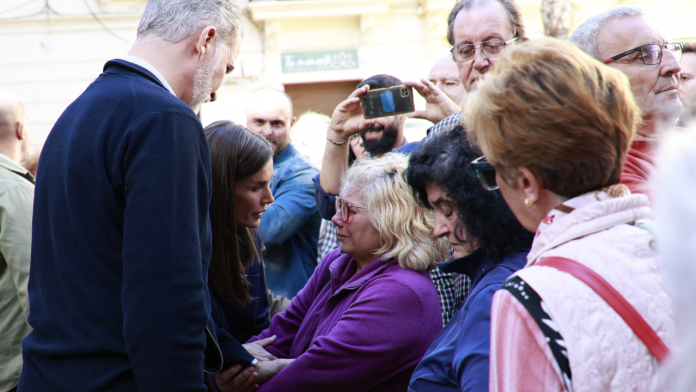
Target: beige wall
x=49, y=59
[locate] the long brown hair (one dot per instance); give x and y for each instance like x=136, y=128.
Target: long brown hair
x=236, y=153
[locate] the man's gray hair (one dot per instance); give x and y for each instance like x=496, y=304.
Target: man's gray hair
x=585, y=36
x=174, y=20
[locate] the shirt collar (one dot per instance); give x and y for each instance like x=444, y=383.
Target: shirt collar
x=284, y=155
x=15, y=167
x=342, y=275
x=467, y=265
x=149, y=67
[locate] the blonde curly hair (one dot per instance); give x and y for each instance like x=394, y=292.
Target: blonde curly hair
x=405, y=226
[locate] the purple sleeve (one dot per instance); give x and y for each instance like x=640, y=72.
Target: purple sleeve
x=286, y=324
x=211, y=383
x=379, y=336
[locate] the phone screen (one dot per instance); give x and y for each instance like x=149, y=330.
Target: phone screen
x=388, y=101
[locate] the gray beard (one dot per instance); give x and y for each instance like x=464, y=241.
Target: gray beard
x=203, y=80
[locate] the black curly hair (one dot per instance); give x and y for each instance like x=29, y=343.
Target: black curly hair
x=444, y=160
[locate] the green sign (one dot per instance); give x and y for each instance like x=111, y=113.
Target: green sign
x=321, y=60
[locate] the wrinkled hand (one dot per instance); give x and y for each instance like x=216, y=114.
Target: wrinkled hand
x=266, y=370
x=245, y=381
x=439, y=104
x=349, y=118
x=258, y=351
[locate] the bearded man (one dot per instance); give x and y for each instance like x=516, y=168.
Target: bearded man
x=379, y=135
x=121, y=233
x=290, y=226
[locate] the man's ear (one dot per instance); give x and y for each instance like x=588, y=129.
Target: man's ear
x=206, y=39
x=293, y=121
x=19, y=130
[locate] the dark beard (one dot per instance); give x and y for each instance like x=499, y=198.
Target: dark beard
x=384, y=144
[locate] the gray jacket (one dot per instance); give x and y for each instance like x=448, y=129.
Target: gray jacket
x=16, y=206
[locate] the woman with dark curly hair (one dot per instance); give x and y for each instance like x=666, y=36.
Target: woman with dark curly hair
x=489, y=245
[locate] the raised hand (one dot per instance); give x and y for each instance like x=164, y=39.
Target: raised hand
x=439, y=105
x=348, y=118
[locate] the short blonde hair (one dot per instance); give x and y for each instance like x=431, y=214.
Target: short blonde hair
x=405, y=226
x=553, y=109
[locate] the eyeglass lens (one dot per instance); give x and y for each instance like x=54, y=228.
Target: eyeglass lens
x=652, y=54
x=492, y=48
x=487, y=178
x=343, y=207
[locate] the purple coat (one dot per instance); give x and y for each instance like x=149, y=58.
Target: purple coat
x=372, y=328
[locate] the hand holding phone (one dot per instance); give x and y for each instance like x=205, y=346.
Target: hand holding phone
x=348, y=118
x=387, y=102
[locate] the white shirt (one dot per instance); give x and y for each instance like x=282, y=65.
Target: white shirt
x=149, y=67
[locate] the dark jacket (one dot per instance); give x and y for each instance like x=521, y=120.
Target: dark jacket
x=235, y=323
x=290, y=226
x=458, y=358
x=121, y=243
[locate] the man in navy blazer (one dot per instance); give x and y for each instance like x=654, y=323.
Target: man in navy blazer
x=121, y=233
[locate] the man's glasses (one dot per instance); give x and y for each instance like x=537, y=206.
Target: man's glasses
x=652, y=54
x=344, y=208
x=485, y=173
x=491, y=48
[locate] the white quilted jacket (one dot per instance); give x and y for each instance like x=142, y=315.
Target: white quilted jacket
x=604, y=353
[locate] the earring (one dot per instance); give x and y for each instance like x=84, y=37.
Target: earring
x=528, y=204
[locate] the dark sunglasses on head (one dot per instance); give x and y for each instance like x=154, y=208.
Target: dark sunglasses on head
x=651, y=54
x=485, y=173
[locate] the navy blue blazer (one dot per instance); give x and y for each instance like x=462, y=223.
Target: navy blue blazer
x=121, y=244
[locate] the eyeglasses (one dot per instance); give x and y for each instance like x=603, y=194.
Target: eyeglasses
x=652, y=54
x=485, y=173
x=491, y=48
x=345, y=208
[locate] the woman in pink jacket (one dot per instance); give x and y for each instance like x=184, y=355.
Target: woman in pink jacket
x=555, y=126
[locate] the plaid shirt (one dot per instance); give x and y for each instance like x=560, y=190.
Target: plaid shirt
x=452, y=288
x=328, y=239
x=446, y=124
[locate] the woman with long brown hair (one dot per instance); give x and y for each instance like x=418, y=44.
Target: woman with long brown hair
x=242, y=167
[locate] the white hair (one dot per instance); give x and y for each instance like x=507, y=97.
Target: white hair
x=585, y=36
x=174, y=20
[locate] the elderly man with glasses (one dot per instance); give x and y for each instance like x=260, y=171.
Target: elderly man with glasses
x=479, y=31
x=624, y=39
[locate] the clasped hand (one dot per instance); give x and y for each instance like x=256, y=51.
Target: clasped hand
x=247, y=380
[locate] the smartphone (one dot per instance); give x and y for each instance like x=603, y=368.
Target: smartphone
x=388, y=101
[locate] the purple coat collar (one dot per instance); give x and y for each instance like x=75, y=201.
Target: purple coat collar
x=343, y=276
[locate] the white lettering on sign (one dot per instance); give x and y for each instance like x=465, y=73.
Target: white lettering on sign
x=316, y=61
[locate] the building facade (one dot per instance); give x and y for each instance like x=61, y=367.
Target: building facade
x=316, y=50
